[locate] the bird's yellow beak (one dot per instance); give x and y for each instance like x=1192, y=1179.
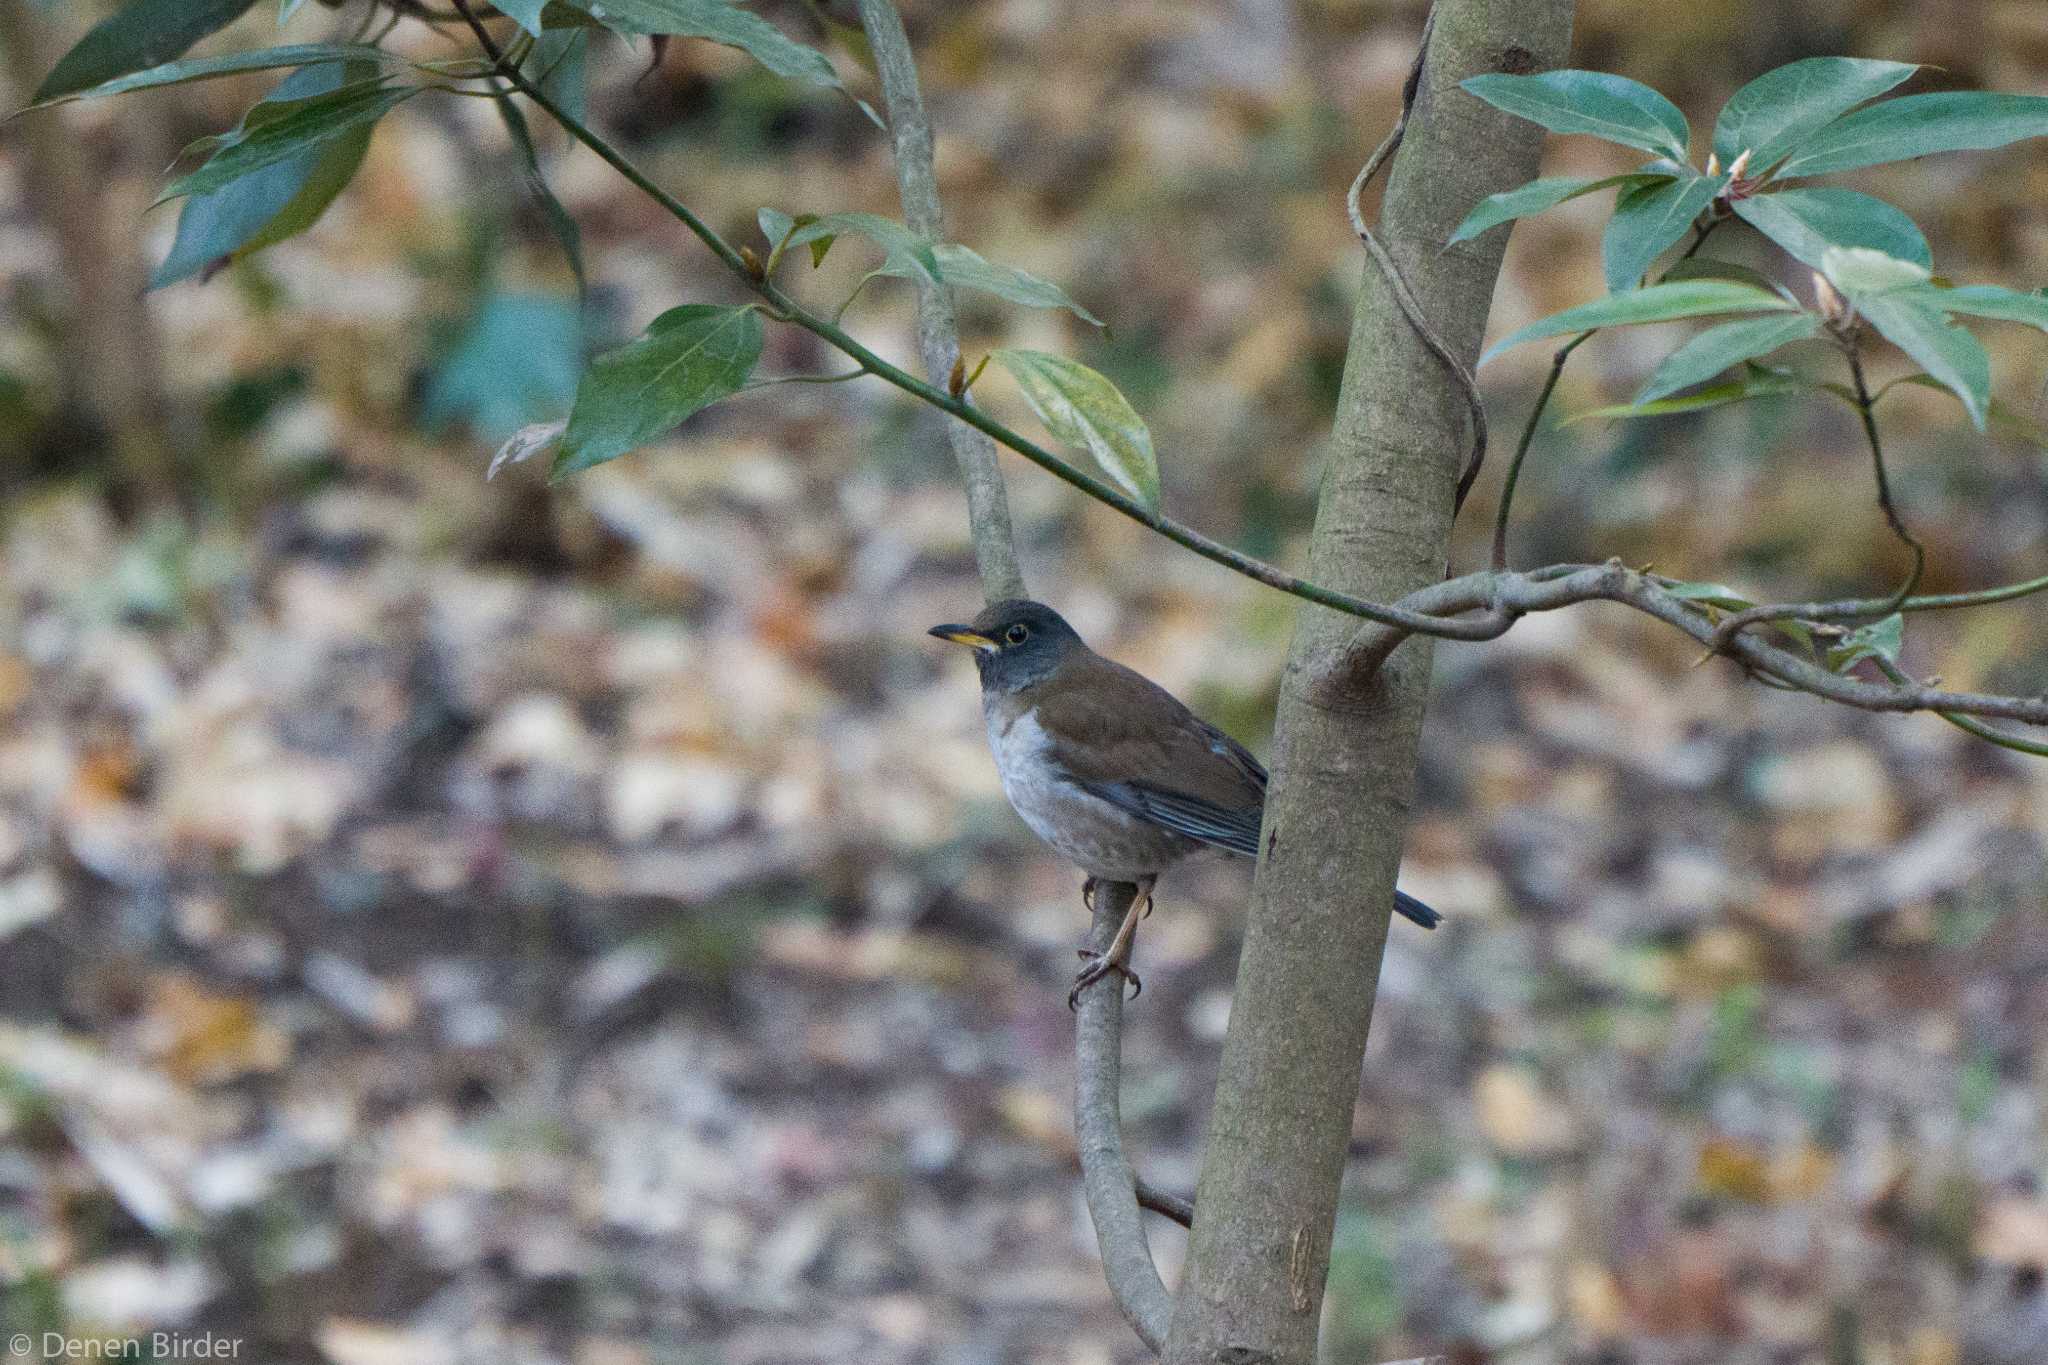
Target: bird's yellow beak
x=964, y=635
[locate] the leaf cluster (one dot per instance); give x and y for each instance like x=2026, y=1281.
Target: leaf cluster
x=1872, y=264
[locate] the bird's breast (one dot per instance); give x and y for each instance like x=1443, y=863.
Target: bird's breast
x=1099, y=838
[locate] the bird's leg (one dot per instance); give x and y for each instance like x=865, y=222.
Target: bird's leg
x=1118, y=958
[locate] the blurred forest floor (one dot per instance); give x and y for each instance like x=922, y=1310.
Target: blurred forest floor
x=449, y=921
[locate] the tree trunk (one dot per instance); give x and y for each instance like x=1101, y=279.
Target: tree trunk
x=110, y=362
x=1344, y=750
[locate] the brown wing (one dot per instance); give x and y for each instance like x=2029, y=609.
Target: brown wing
x=1132, y=743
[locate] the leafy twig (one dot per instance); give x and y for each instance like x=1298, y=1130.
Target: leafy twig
x=1496, y=594
x=1475, y=607
x=1215, y=551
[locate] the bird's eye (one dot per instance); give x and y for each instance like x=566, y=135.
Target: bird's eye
x=1017, y=634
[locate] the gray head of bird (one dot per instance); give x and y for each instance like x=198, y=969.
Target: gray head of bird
x=1016, y=643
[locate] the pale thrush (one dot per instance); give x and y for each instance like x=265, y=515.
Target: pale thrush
x=1107, y=766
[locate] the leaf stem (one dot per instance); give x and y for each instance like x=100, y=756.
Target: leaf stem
x=861, y=373
x=1967, y=724
x=1701, y=231
x=1499, y=559
x=1866, y=408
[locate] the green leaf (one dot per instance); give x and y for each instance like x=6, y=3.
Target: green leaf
x=524, y=444
x=559, y=64
x=961, y=266
x=231, y=63
x=1806, y=222
x=516, y=362
x=1710, y=594
x=560, y=221
x=1707, y=268
x=286, y=9
x=1916, y=125
x=689, y=358
x=1878, y=640
x=964, y=267
x=1717, y=348
x=1896, y=298
x=526, y=13
x=570, y=14
x=308, y=124
x=1613, y=107
x=1719, y=598
x=1720, y=395
x=1649, y=219
x=775, y=225
x=720, y=23
x=1535, y=197
x=1778, y=110
x=848, y=35
x=1652, y=303
x=275, y=203
x=1922, y=330
x=142, y=34
x=906, y=253
x=1860, y=271
x=1083, y=408
x=1992, y=301
x=2005, y=419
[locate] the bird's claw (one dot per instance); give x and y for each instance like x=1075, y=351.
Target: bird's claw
x=1099, y=966
x=1088, y=894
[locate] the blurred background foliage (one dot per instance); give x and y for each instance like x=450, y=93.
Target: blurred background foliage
x=444, y=920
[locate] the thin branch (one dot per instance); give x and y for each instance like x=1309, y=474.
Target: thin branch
x=1499, y=557
x=1866, y=408
x=1613, y=583
x=938, y=332
x=1166, y=1203
x=1851, y=608
x=1468, y=385
x=1965, y=723
x=483, y=37
x=1106, y=1176
x=1495, y=595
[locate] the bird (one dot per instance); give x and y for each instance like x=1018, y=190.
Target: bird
x=1108, y=767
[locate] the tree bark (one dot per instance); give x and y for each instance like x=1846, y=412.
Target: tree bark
x=111, y=363
x=1344, y=750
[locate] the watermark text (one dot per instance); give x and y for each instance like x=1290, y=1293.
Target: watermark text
x=63, y=1348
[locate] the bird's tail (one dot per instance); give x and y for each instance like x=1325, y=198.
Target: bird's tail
x=1410, y=908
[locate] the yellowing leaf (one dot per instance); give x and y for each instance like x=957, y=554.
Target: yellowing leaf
x=1083, y=408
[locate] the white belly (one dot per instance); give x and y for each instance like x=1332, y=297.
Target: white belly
x=1101, y=839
